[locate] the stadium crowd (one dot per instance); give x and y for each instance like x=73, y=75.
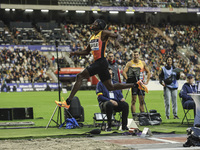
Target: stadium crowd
x=154, y=48
x=157, y=3
x=186, y=36
x=134, y=3
x=32, y=66
x=21, y=66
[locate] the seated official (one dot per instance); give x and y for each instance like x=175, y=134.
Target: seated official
x=113, y=100
x=188, y=87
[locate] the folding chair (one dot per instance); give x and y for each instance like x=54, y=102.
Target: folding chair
x=117, y=120
x=186, y=112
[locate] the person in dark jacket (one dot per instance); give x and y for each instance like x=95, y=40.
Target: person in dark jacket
x=188, y=87
x=112, y=100
x=168, y=79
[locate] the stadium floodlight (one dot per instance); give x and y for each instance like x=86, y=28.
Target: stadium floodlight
x=28, y=10
x=80, y=11
x=198, y=13
x=7, y=9
x=113, y=12
x=66, y=11
x=155, y=12
x=44, y=10
x=13, y=9
x=130, y=12
x=95, y=12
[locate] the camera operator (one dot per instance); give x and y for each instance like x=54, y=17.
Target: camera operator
x=168, y=79
x=134, y=71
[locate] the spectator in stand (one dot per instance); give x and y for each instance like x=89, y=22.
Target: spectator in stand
x=194, y=59
x=4, y=84
x=74, y=47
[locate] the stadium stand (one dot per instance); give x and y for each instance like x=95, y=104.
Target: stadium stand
x=186, y=35
x=5, y=36
x=25, y=33
x=50, y=32
x=22, y=66
x=155, y=43
x=130, y=3
x=142, y=36
x=80, y=2
x=155, y=3
x=135, y=3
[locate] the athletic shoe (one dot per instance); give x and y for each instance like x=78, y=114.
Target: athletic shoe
x=167, y=117
x=62, y=104
x=141, y=86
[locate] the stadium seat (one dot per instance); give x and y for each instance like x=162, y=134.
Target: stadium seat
x=2, y=24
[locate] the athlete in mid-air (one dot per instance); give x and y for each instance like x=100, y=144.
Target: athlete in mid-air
x=97, y=44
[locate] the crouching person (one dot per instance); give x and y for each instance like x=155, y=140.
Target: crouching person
x=110, y=101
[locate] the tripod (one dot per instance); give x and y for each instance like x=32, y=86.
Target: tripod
x=59, y=116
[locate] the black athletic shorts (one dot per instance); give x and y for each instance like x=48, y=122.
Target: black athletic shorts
x=136, y=91
x=99, y=67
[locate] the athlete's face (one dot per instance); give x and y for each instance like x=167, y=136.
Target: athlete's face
x=135, y=56
x=95, y=26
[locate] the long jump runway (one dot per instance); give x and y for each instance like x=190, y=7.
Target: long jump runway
x=159, y=142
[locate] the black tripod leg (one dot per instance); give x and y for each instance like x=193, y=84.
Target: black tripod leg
x=145, y=104
x=127, y=93
x=68, y=112
x=63, y=124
